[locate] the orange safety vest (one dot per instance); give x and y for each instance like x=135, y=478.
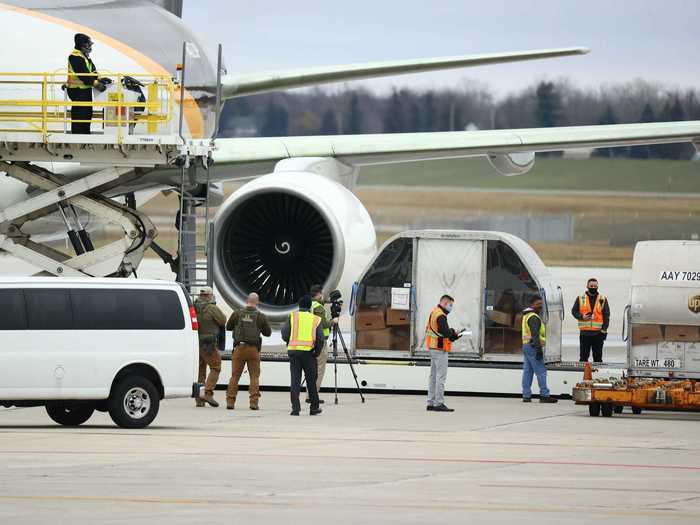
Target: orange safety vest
x=433, y=339
x=595, y=323
x=302, y=334
x=73, y=81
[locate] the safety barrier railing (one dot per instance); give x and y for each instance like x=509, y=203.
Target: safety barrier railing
x=132, y=104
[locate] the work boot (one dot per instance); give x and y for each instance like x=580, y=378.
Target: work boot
x=294, y=413
x=443, y=408
x=527, y=400
x=321, y=401
x=430, y=407
x=315, y=411
x=209, y=398
x=548, y=400
x=230, y=404
x=199, y=403
x=254, y=406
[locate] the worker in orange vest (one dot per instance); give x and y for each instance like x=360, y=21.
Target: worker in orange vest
x=592, y=311
x=438, y=339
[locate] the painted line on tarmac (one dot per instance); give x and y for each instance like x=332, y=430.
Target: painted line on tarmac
x=355, y=504
x=456, y=461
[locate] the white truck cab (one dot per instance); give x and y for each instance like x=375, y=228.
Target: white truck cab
x=85, y=344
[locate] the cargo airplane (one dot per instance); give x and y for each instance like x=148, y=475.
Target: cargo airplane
x=297, y=221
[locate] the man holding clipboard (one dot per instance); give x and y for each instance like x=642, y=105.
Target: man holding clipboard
x=438, y=338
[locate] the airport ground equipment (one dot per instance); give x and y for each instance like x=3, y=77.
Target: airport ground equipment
x=490, y=274
x=662, y=331
x=134, y=130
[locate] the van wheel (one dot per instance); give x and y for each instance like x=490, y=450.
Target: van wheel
x=134, y=402
x=594, y=409
x=606, y=409
x=70, y=416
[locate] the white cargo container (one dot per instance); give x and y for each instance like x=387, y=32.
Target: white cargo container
x=664, y=310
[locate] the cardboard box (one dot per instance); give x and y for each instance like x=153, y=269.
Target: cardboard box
x=518, y=322
x=386, y=339
x=398, y=317
x=499, y=317
x=370, y=318
x=682, y=333
x=644, y=334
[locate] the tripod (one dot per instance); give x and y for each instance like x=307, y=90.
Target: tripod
x=338, y=334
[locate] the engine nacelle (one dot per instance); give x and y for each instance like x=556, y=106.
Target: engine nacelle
x=281, y=233
x=510, y=164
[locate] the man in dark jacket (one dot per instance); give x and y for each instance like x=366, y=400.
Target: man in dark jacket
x=592, y=311
x=82, y=78
x=303, y=334
x=247, y=325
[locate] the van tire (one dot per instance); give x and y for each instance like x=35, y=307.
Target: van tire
x=134, y=402
x=70, y=416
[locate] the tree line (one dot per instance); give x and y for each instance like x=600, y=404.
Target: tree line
x=471, y=106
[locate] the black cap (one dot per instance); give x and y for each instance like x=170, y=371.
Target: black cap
x=81, y=39
x=305, y=302
x=315, y=290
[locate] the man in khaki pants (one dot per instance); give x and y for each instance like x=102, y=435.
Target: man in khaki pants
x=247, y=326
x=319, y=310
x=210, y=319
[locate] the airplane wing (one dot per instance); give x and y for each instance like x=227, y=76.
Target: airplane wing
x=254, y=83
x=369, y=149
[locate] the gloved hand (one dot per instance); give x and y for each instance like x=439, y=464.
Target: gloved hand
x=604, y=335
x=100, y=87
x=539, y=355
x=106, y=81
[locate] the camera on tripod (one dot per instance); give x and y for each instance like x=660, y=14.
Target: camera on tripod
x=334, y=298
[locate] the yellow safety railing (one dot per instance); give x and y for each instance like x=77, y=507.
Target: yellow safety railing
x=39, y=103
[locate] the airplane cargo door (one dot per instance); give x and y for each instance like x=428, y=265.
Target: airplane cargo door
x=453, y=267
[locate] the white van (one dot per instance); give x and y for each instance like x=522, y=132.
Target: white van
x=80, y=345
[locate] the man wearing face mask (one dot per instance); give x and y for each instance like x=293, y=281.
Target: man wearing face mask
x=82, y=78
x=592, y=311
x=534, y=339
x=438, y=338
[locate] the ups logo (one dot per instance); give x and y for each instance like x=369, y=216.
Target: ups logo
x=694, y=304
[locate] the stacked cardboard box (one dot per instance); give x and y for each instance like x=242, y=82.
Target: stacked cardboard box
x=380, y=329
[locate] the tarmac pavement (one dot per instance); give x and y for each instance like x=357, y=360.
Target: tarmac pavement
x=494, y=460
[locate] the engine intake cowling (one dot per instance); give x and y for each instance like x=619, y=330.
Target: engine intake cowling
x=284, y=232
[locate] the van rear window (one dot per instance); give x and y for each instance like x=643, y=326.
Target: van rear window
x=13, y=313
x=110, y=309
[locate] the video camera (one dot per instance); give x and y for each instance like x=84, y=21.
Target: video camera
x=334, y=299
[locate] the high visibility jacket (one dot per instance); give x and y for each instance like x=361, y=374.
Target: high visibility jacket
x=527, y=335
x=314, y=306
x=595, y=323
x=433, y=339
x=302, y=334
x=73, y=81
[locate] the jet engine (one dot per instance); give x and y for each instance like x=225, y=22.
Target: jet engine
x=281, y=233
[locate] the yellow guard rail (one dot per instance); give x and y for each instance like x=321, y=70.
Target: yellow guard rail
x=38, y=103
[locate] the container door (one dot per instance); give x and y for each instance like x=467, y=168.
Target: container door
x=456, y=268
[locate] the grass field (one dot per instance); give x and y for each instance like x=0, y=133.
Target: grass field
x=547, y=174
x=605, y=227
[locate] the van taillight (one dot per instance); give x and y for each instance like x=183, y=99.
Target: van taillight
x=193, y=318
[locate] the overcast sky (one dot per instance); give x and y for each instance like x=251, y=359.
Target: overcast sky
x=652, y=39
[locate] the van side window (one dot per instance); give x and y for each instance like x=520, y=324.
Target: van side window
x=13, y=313
x=48, y=309
x=114, y=309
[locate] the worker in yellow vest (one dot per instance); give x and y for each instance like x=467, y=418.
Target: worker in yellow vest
x=534, y=339
x=438, y=339
x=82, y=79
x=304, y=337
x=592, y=311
